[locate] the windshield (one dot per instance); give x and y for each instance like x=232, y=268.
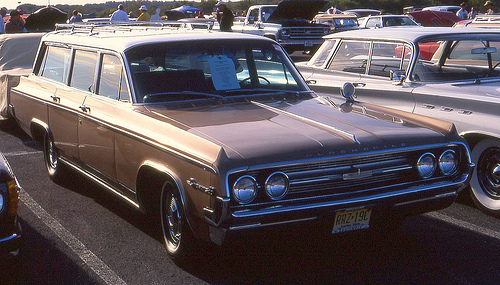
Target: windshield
x=168, y=72
x=451, y=60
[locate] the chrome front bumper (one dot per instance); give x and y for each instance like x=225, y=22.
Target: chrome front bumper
x=408, y=201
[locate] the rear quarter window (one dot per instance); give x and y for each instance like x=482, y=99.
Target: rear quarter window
x=55, y=64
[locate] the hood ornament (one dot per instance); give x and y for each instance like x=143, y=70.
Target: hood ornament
x=348, y=91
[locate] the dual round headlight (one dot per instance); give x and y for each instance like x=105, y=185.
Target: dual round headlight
x=245, y=188
x=427, y=164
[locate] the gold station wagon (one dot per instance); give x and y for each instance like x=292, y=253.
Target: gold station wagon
x=218, y=133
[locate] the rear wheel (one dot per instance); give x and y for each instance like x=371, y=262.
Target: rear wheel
x=53, y=164
x=177, y=236
x=485, y=182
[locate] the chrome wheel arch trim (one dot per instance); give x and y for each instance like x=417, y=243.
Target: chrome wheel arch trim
x=176, y=180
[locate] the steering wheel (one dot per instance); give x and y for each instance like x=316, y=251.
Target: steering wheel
x=260, y=77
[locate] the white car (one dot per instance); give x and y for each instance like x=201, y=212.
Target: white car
x=383, y=21
x=440, y=72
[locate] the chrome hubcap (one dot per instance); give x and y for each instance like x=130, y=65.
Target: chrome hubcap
x=174, y=221
x=52, y=157
x=488, y=172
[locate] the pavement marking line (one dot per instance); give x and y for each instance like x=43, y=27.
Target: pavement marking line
x=464, y=224
x=88, y=257
x=18, y=153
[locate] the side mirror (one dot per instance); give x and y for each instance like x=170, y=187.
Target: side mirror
x=397, y=76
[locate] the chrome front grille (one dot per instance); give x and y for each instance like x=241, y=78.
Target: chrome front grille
x=298, y=33
x=342, y=176
x=349, y=175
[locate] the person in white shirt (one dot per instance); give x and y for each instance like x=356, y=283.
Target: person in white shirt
x=156, y=17
x=119, y=15
x=462, y=13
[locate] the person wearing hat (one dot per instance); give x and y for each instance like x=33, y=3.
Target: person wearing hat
x=3, y=12
x=15, y=24
x=144, y=16
x=463, y=13
x=119, y=15
x=489, y=7
x=225, y=17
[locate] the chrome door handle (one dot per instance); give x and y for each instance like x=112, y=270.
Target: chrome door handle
x=465, y=112
x=55, y=98
x=358, y=84
x=446, y=109
x=85, y=108
x=428, y=106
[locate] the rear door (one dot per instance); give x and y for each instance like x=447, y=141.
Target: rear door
x=100, y=116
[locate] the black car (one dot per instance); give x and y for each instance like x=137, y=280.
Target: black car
x=10, y=230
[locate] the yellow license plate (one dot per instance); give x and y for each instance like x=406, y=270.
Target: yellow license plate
x=351, y=220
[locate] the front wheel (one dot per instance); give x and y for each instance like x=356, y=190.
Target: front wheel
x=485, y=182
x=177, y=236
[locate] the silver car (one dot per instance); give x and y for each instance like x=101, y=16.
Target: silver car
x=443, y=73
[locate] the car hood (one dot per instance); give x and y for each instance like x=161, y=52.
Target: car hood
x=293, y=9
x=260, y=132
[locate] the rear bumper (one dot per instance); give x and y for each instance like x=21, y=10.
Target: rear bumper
x=401, y=202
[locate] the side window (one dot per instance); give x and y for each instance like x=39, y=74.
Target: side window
x=322, y=54
x=111, y=78
x=267, y=62
x=55, y=63
x=84, y=65
x=386, y=57
x=374, y=22
x=351, y=57
x=253, y=16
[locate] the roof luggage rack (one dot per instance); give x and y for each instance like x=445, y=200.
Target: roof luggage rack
x=113, y=27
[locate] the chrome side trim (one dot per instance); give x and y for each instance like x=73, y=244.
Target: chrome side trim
x=205, y=165
x=343, y=134
x=99, y=181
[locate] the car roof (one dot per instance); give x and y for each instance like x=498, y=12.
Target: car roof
x=334, y=16
x=410, y=34
x=121, y=38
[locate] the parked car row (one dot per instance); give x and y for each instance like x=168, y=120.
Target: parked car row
x=218, y=134
x=443, y=73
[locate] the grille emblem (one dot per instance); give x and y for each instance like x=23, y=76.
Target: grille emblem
x=357, y=175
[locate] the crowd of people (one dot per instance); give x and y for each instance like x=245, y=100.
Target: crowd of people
x=224, y=16
x=465, y=12
x=15, y=24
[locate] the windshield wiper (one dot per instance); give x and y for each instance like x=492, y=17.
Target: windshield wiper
x=262, y=91
x=190, y=93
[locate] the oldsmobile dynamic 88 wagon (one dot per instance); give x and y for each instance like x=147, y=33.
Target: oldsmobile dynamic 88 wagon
x=217, y=133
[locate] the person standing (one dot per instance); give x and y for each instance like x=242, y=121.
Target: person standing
x=75, y=18
x=119, y=15
x=156, y=17
x=3, y=12
x=144, y=16
x=472, y=13
x=489, y=7
x=463, y=13
x=225, y=17
x=15, y=24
